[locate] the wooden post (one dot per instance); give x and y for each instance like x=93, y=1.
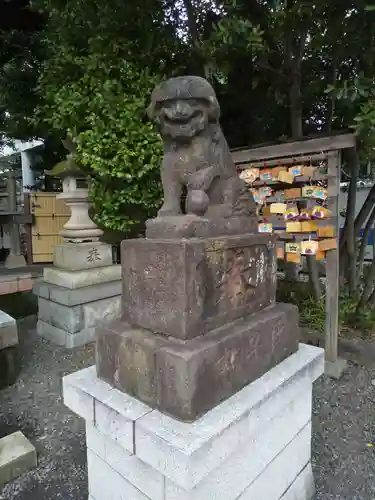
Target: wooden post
x=28, y=229
x=15, y=258
x=332, y=263
x=334, y=366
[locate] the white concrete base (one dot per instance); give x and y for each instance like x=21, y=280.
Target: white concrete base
x=253, y=446
x=82, y=278
x=70, y=317
x=8, y=331
x=17, y=455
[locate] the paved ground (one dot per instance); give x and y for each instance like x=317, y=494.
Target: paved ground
x=344, y=425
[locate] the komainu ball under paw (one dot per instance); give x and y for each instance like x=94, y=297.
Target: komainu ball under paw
x=197, y=202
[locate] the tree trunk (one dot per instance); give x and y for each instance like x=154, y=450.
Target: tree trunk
x=361, y=217
x=362, y=250
x=205, y=66
x=349, y=223
x=333, y=80
x=368, y=288
x=293, y=54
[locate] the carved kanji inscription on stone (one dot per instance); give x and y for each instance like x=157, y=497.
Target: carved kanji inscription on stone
x=93, y=255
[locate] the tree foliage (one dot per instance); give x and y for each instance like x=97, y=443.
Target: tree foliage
x=281, y=69
x=94, y=86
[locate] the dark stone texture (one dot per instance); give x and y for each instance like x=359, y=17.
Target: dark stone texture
x=191, y=226
x=9, y=366
x=186, y=379
x=186, y=287
x=197, y=158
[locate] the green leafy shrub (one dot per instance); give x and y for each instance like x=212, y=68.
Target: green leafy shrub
x=312, y=311
x=104, y=109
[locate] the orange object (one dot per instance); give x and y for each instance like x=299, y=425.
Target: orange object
x=320, y=255
x=326, y=231
x=277, y=208
x=309, y=226
x=293, y=227
x=292, y=193
x=286, y=177
x=293, y=257
x=275, y=172
x=309, y=171
x=280, y=252
x=329, y=244
x=266, y=210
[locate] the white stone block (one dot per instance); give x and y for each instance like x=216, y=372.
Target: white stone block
x=78, y=279
x=115, y=426
x=17, y=455
x=8, y=330
x=303, y=487
x=80, y=390
x=113, y=413
x=231, y=453
x=76, y=256
x=142, y=476
x=107, y=484
x=252, y=457
x=101, y=311
x=282, y=472
x=186, y=453
x=86, y=381
x=78, y=401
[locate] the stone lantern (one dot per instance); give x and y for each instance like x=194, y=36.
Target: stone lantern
x=79, y=228
x=83, y=287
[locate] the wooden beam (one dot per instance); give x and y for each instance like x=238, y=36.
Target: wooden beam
x=332, y=267
x=284, y=161
x=303, y=147
x=15, y=218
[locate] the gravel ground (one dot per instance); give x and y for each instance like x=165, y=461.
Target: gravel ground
x=344, y=425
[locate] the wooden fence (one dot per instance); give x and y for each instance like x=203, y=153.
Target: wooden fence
x=49, y=216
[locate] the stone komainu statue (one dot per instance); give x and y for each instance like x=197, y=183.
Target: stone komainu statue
x=196, y=154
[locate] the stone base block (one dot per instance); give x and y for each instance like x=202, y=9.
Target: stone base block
x=80, y=279
x=70, y=317
x=255, y=445
x=193, y=226
x=8, y=331
x=186, y=379
x=14, y=260
x=186, y=287
x=9, y=366
x=17, y=455
x=75, y=257
x=335, y=369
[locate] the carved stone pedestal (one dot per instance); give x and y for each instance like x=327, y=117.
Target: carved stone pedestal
x=81, y=291
x=203, y=318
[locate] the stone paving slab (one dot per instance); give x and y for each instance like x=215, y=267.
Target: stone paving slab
x=8, y=331
x=17, y=455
